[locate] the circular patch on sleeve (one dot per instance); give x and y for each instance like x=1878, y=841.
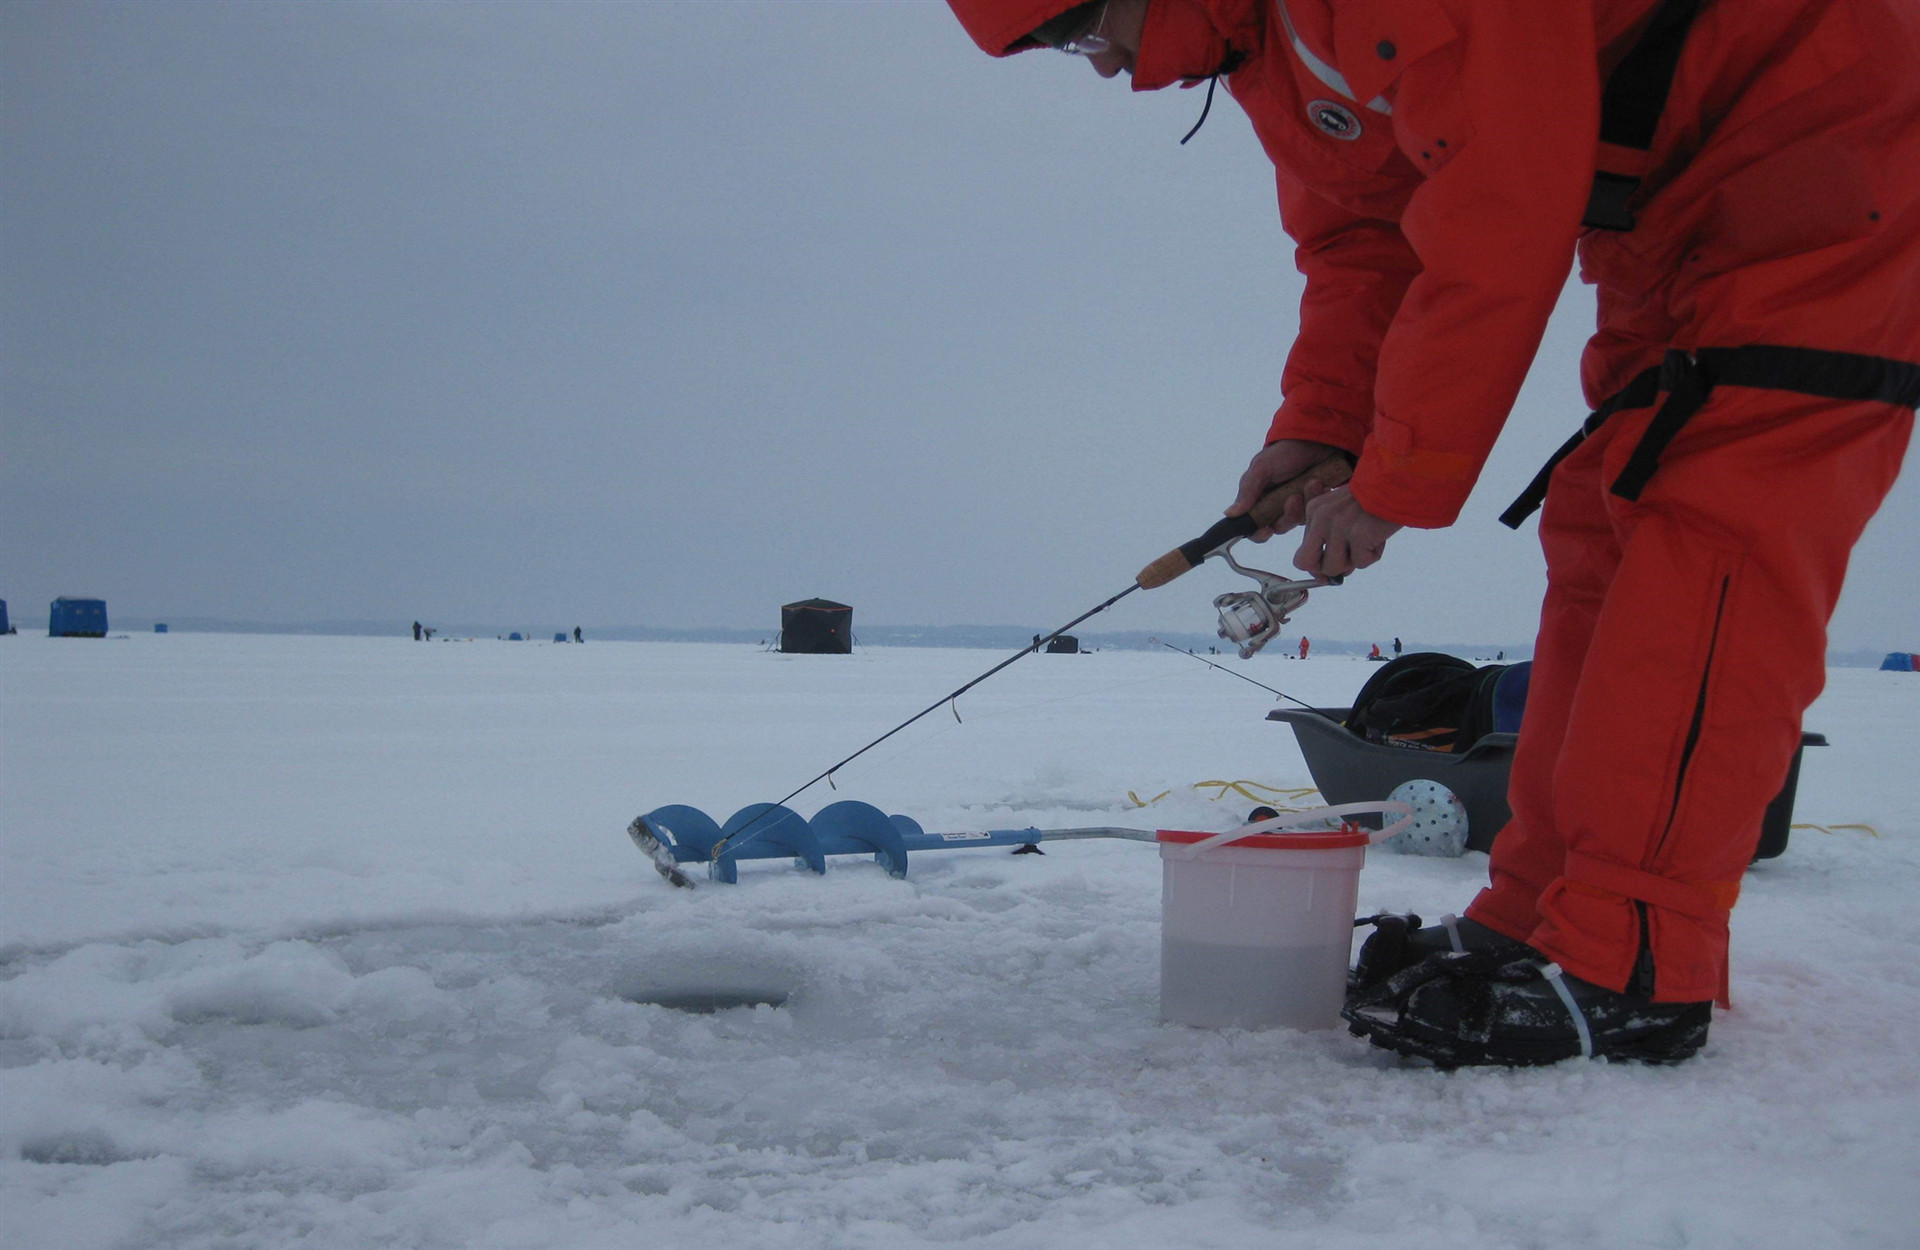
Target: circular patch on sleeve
x=1335, y=120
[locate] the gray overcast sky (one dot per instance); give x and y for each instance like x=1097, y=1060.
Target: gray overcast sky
x=664, y=314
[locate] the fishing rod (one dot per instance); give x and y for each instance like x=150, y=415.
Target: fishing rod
x=1250, y=618
x=1027, y=650
x=1243, y=677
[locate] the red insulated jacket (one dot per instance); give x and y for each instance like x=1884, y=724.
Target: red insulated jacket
x=1434, y=159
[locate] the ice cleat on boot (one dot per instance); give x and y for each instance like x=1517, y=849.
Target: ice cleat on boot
x=1399, y=942
x=1458, y=1011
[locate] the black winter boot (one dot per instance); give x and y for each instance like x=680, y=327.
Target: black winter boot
x=1462, y=1010
x=1399, y=943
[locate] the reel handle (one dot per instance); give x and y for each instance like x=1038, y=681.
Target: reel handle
x=1334, y=471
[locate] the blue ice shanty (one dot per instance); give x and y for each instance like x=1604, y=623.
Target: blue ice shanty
x=77, y=618
x=1900, y=662
x=5, y=628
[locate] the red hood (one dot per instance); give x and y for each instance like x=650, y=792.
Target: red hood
x=1184, y=40
x=999, y=26
x=1188, y=40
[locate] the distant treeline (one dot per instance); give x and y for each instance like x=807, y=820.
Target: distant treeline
x=986, y=637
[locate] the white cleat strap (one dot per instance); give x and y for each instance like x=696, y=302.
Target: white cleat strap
x=1557, y=979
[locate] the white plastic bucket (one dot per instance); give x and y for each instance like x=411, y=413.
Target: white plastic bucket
x=1256, y=927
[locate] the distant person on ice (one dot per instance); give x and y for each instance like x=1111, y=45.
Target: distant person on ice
x=1741, y=180
x=1303, y=646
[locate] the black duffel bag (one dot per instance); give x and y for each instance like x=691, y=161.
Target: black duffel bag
x=1427, y=701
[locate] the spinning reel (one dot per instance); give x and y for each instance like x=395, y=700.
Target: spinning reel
x=1251, y=619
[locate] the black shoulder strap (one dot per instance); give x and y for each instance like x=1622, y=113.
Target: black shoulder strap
x=1630, y=108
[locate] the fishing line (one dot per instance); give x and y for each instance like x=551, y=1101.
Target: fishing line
x=909, y=748
x=1243, y=677
x=744, y=836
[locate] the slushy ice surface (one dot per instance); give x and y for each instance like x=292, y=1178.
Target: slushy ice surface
x=1252, y=987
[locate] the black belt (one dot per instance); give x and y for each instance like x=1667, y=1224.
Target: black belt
x=1689, y=378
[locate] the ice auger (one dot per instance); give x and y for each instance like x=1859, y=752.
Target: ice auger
x=677, y=834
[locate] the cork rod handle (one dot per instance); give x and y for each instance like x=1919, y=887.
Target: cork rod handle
x=1334, y=471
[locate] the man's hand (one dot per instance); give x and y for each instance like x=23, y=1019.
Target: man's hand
x=1341, y=535
x=1277, y=462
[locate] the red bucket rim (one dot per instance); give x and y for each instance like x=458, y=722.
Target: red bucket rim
x=1327, y=840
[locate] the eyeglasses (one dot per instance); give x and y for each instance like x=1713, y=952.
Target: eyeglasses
x=1077, y=31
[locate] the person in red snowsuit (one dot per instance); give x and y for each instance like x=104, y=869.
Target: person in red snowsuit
x=1741, y=182
x=1303, y=646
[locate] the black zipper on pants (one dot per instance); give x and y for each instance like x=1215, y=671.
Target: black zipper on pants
x=1641, y=982
x=1699, y=720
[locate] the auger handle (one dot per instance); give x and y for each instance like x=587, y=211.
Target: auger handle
x=1270, y=507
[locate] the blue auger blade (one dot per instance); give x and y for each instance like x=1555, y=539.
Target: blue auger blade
x=850, y=827
x=656, y=845
x=681, y=834
x=689, y=832
x=767, y=831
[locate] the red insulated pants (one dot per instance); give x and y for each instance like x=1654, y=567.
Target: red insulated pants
x=1681, y=639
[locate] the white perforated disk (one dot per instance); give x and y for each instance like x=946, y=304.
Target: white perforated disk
x=1439, y=820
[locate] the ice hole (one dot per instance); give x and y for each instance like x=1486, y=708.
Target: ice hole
x=707, y=1001
x=710, y=984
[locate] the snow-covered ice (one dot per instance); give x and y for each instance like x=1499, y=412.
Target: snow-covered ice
x=335, y=942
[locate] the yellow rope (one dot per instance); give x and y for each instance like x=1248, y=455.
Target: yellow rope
x=1240, y=788
x=1869, y=830
x=1223, y=788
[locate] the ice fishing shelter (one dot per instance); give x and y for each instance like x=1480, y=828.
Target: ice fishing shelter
x=1900, y=662
x=77, y=618
x=5, y=628
x=1065, y=644
x=816, y=627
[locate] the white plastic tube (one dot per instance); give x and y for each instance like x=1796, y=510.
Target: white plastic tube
x=1385, y=807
